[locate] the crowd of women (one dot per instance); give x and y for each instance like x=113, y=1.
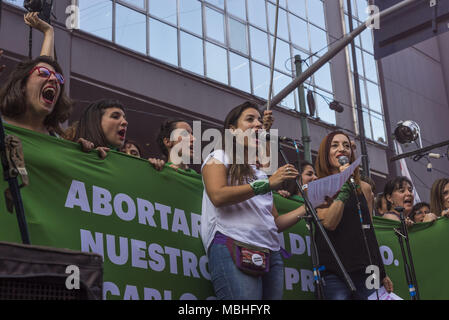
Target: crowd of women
x=239, y=223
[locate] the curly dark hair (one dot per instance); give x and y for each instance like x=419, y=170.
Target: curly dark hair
x=13, y=100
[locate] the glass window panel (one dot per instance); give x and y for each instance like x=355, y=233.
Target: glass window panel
x=216, y=63
x=370, y=66
x=282, y=3
x=136, y=3
x=280, y=81
x=318, y=39
x=18, y=3
x=362, y=91
x=282, y=23
x=361, y=10
x=261, y=80
x=218, y=3
x=299, y=32
x=323, y=77
x=367, y=40
x=130, y=29
x=257, y=13
x=359, y=60
x=96, y=17
x=298, y=7
x=237, y=36
x=165, y=10
x=283, y=57
x=192, y=53
x=214, y=25
x=239, y=72
x=378, y=128
x=237, y=8
x=322, y=106
x=367, y=123
x=374, y=97
x=316, y=12
x=190, y=17
x=259, y=45
x=163, y=42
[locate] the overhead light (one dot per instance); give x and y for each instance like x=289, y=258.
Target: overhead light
x=407, y=132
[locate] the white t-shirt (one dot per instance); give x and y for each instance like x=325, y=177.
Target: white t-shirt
x=249, y=221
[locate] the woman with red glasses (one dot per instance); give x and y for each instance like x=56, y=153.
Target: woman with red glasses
x=33, y=96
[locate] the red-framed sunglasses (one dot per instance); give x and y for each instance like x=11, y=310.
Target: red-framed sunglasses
x=46, y=73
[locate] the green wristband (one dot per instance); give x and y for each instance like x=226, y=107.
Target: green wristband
x=344, y=193
x=260, y=186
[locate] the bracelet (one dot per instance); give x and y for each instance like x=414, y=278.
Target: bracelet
x=260, y=186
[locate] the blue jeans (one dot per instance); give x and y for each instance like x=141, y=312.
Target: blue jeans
x=232, y=284
x=335, y=288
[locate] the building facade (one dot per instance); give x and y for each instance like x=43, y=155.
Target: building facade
x=196, y=59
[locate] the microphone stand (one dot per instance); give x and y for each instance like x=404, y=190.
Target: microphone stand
x=312, y=215
x=409, y=268
x=319, y=291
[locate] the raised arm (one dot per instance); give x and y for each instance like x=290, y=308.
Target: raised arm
x=48, y=45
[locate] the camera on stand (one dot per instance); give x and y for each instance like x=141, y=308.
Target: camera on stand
x=42, y=6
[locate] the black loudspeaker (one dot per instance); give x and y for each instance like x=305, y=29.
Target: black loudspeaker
x=29, y=272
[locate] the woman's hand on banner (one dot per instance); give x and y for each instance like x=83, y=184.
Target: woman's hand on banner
x=388, y=284
x=158, y=164
x=88, y=146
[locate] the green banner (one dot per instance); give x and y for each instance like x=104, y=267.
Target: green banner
x=146, y=226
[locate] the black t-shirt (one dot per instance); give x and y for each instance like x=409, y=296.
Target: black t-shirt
x=349, y=243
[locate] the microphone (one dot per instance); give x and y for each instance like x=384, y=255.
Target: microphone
x=342, y=160
x=267, y=136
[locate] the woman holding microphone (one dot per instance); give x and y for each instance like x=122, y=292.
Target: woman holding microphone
x=239, y=222
x=355, y=245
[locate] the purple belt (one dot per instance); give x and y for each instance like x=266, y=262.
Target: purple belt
x=220, y=238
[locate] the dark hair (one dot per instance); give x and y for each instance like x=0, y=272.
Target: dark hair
x=393, y=185
x=290, y=185
x=165, y=131
x=378, y=201
x=13, y=97
x=322, y=164
x=303, y=164
x=436, y=196
x=134, y=143
x=89, y=125
x=417, y=207
x=238, y=172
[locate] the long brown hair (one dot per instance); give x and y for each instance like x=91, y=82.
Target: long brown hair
x=436, y=196
x=322, y=165
x=239, y=173
x=13, y=98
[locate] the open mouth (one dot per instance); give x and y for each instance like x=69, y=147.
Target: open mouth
x=408, y=202
x=49, y=94
x=122, y=134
